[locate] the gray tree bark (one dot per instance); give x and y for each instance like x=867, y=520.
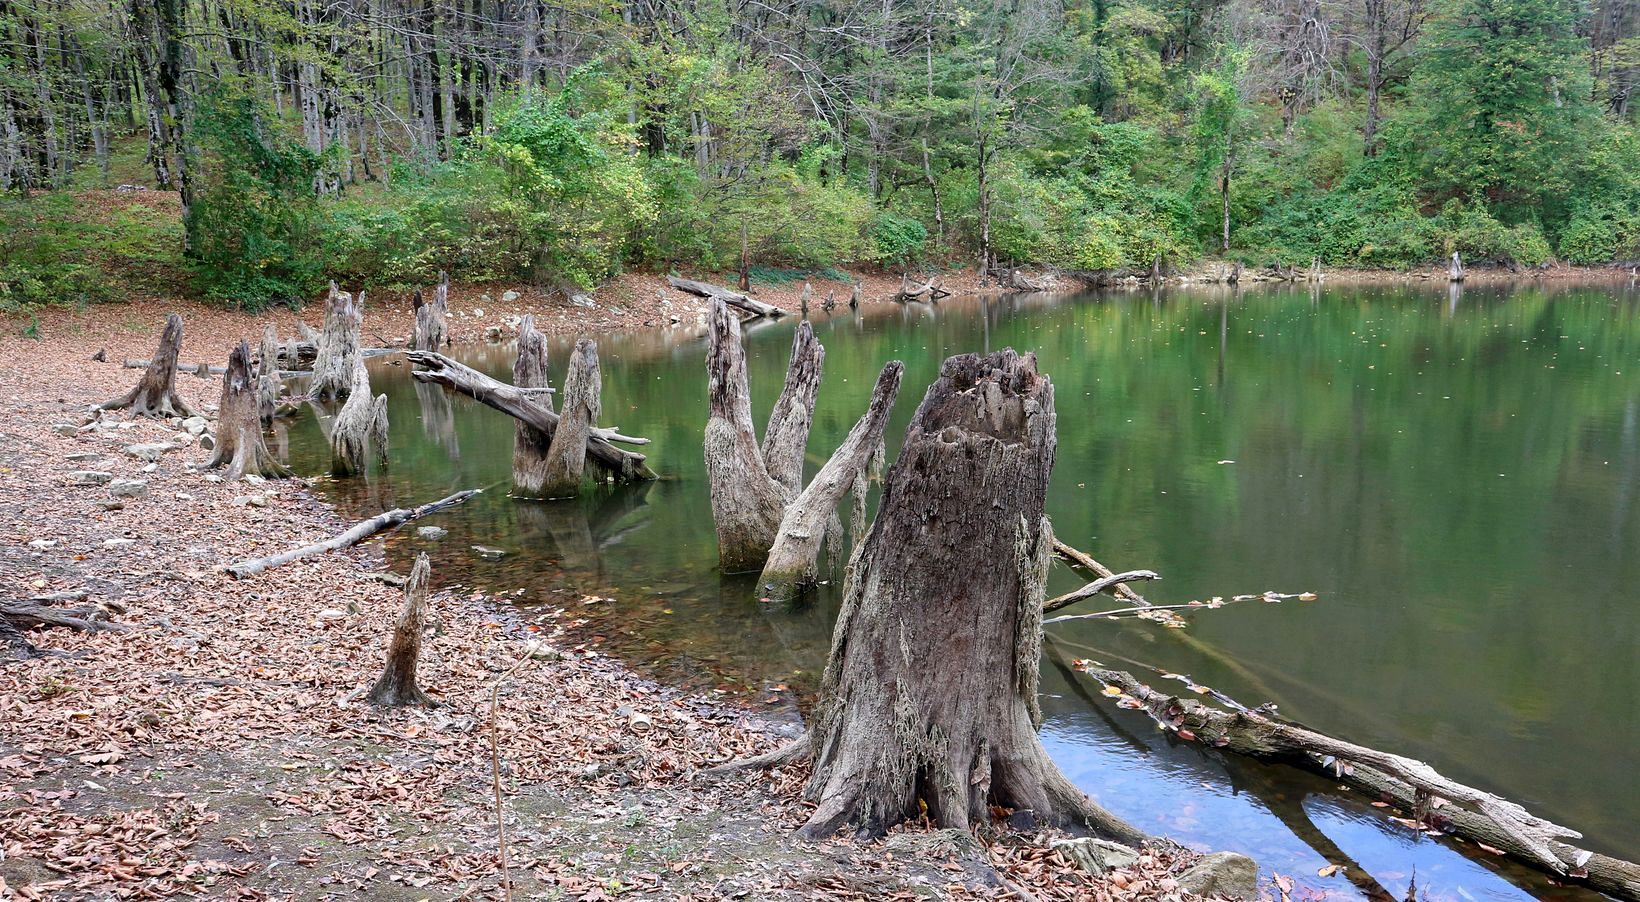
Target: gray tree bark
x=239, y=443
x=267, y=375
x=747, y=502
x=786, y=440
x=929, y=695
x=360, y=430
x=397, y=686
x=155, y=394
x=338, y=346
x=530, y=444
x=567, y=455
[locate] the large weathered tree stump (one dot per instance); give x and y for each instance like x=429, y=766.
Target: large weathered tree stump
x=239, y=443
x=155, y=394
x=529, y=443
x=397, y=686
x=786, y=440
x=793, y=562
x=432, y=318
x=1454, y=269
x=929, y=695
x=338, y=346
x=567, y=454
x=747, y=502
x=360, y=431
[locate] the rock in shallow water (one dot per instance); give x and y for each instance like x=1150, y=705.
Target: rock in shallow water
x=488, y=553
x=432, y=532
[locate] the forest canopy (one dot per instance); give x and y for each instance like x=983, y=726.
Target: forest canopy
x=381, y=142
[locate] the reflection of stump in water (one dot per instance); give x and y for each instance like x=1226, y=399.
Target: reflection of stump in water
x=563, y=526
x=438, y=417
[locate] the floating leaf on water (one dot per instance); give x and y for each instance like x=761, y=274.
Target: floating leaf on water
x=1306, y=596
x=1112, y=691
x=1328, y=871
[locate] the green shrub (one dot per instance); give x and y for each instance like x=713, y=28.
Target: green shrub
x=1600, y=235
x=897, y=239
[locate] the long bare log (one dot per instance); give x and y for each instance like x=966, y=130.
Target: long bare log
x=397, y=686
x=437, y=369
x=1478, y=814
x=793, y=562
x=530, y=444
x=353, y=536
x=747, y=503
x=1085, y=561
x=728, y=296
x=786, y=440
x=155, y=394
x=1095, y=587
x=567, y=454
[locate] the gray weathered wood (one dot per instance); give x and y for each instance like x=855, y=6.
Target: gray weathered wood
x=240, y=447
x=155, y=394
x=338, y=346
x=397, y=686
x=583, y=403
x=353, y=536
x=530, y=444
x=726, y=295
x=747, y=502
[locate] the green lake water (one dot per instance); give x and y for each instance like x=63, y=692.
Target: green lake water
x=1456, y=476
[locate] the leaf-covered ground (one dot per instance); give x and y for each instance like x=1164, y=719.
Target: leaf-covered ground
x=217, y=743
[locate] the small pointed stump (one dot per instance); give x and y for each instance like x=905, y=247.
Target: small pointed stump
x=794, y=559
x=432, y=318
x=530, y=445
x=397, y=687
x=747, y=503
x=1454, y=269
x=267, y=376
x=786, y=440
x=930, y=692
x=155, y=394
x=567, y=454
x=239, y=444
x=338, y=346
x=854, y=297
x=360, y=430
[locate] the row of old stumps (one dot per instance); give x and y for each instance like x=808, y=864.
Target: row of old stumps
x=927, y=710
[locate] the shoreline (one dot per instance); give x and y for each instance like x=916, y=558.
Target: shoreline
x=218, y=740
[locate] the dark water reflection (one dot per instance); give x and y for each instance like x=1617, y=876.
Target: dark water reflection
x=1458, y=477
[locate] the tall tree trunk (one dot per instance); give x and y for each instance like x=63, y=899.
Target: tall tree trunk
x=930, y=694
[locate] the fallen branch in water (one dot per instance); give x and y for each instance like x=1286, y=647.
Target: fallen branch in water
x=360, y=531
x=1157, y=612
x=1085, y=561
x=1095, y=587
x=1434, y=799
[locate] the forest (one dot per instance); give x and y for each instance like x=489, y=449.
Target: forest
x=381, y=141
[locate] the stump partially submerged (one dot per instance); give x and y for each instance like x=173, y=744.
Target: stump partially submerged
x=397, y=686
x=793, y=561
x=747, y=502
x=529, y=443
x=155, y=394
x=239, y=443
x=360, y=431
x=267, y=375
x=929, y=695
x=786, y=440
x=432, y=318
x=338, y=346
x=567, y=454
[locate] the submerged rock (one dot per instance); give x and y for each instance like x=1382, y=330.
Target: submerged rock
x=432, y=532
x=488, y=553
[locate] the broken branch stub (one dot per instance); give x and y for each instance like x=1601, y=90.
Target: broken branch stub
x=397, y=686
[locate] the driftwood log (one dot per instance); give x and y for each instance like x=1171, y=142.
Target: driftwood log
x=360, y=431
x=583, y=403
x=930, y=693
x=357, y=533
x=40, y=612
x=397, y=686
x=747, y=502
x=929, y=290
x=155, y=394
x=1413, y=785
x=727, y=296
x=530, y=444
x=1102, y=584
x=1086, y=562
x=432, y=330
x=437, y=369
x=240, y=446
x=338, y=346
x=793, y=561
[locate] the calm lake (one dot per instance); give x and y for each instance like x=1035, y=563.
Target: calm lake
x=1457, y=477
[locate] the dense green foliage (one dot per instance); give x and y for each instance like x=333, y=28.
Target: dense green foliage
x=1082, y=135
